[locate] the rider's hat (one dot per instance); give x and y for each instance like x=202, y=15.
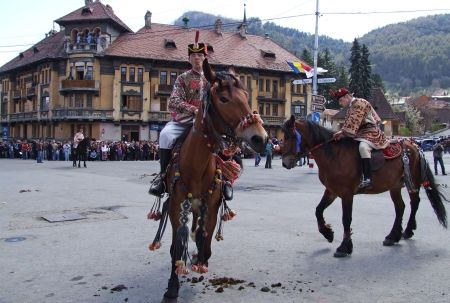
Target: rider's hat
x=196, y=47
x=339, y=93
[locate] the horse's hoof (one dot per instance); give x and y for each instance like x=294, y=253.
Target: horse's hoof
x=389, y=242
x=408, y=234
x=341, y=254
x=171, y=294
x=327, y=232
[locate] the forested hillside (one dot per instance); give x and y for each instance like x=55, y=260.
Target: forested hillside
x=411, y=57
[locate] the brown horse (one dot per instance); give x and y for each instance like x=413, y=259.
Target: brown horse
x=340, y=172
x=196, y=172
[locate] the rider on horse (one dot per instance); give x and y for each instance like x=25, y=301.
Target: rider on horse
x=188, y=91
x=361, y=124
x=77, y=138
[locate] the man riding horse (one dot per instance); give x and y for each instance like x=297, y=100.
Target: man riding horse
x=77, y=138
x=187, y=93
x=361, y=124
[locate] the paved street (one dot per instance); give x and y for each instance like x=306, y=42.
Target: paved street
x=273, y=242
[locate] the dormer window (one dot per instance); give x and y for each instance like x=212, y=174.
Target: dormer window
x=267, y=54
x=169, y=43
x=35, y=50
x=210, y=48
x=86, y=10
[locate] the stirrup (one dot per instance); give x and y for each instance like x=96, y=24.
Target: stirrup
x=158, y=187
x=227, y=191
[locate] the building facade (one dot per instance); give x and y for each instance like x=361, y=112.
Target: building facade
x=99, y=75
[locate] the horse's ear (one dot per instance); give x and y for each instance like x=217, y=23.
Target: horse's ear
x=292, y=119
x=207, y=71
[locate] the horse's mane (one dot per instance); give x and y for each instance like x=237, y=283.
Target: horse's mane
x=320, y=134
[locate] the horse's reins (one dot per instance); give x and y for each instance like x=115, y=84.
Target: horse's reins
x=320, y=145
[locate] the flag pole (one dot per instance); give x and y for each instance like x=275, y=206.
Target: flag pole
x=316, y=48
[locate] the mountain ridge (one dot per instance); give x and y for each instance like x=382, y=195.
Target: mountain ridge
x=412, y=57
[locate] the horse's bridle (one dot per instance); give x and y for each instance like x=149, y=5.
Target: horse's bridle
x=229, y=137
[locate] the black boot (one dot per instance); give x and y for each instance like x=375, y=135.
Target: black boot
x=158, y=187
x=227, y=191
x=367, y=173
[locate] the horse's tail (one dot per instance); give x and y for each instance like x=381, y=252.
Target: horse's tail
x=433, y=193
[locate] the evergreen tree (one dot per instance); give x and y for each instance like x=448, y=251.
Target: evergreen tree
x=307, y=57
x=355, y=69
x=377, y=82
x=366, y=73
x=341, y=81
x=326, y=62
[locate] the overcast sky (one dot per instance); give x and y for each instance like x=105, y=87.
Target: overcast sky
x=25, y=22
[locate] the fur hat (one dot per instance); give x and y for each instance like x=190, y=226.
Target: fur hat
x=197, y=47
x=339, y=93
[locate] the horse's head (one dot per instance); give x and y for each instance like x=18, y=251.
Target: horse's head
x=293, y=145
x=229, y=102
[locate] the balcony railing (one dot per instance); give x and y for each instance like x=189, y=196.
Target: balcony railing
x=79, y=85
x=163, y=89
x=82, y=113
x=82, y=48
x=17, y=94
x=271, y=120
x=25, y=116
x=275, y=96
x=159, y=116
x=31, y=91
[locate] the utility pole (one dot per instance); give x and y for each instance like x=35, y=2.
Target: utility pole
x=316, y=49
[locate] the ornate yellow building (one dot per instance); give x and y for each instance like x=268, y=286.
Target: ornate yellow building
x=99, y=75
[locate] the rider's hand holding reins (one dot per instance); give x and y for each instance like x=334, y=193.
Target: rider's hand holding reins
x=338, y=135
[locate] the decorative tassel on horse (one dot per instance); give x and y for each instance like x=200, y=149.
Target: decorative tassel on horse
x=200, y=238
x=156, y=244
x=249, y=120
x=230, y=169
x=407, y=173
x=225, y=214
x=182, y=238
x=154, y=213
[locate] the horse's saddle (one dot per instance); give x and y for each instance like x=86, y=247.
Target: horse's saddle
x=393, y=151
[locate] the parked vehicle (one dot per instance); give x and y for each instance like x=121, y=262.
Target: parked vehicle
x=427, y=144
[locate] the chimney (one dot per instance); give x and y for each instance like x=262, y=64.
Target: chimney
x=218, y=26
x=148, y=19
x=266, y=35
x=186, y=21
x=87, y=2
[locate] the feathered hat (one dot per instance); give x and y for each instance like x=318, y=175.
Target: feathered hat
x=197, y=47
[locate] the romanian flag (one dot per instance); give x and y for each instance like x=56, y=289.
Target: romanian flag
x=299, y=67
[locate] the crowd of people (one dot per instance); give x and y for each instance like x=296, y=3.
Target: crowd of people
x=53, y=150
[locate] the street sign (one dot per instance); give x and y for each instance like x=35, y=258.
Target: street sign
x=302, y=81
x=317, y=103
x=326, y=80
x=320, y=80
x=316, y=117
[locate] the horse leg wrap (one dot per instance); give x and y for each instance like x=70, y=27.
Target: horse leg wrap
x=182, y=238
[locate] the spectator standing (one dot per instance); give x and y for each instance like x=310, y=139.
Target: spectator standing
x=438, y=150
x=269, y=152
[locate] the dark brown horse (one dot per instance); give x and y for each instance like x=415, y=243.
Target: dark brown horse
x=81, y=151
x=340, y=172
x=196, y=171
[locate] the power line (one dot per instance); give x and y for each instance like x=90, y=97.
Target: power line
x=229, y=24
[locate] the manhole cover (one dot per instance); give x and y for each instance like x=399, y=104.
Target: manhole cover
x=64, y=217
x=15, y=239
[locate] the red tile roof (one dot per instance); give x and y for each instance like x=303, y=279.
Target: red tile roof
x=49, y=48
x=96, y=11
x=229, y=48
